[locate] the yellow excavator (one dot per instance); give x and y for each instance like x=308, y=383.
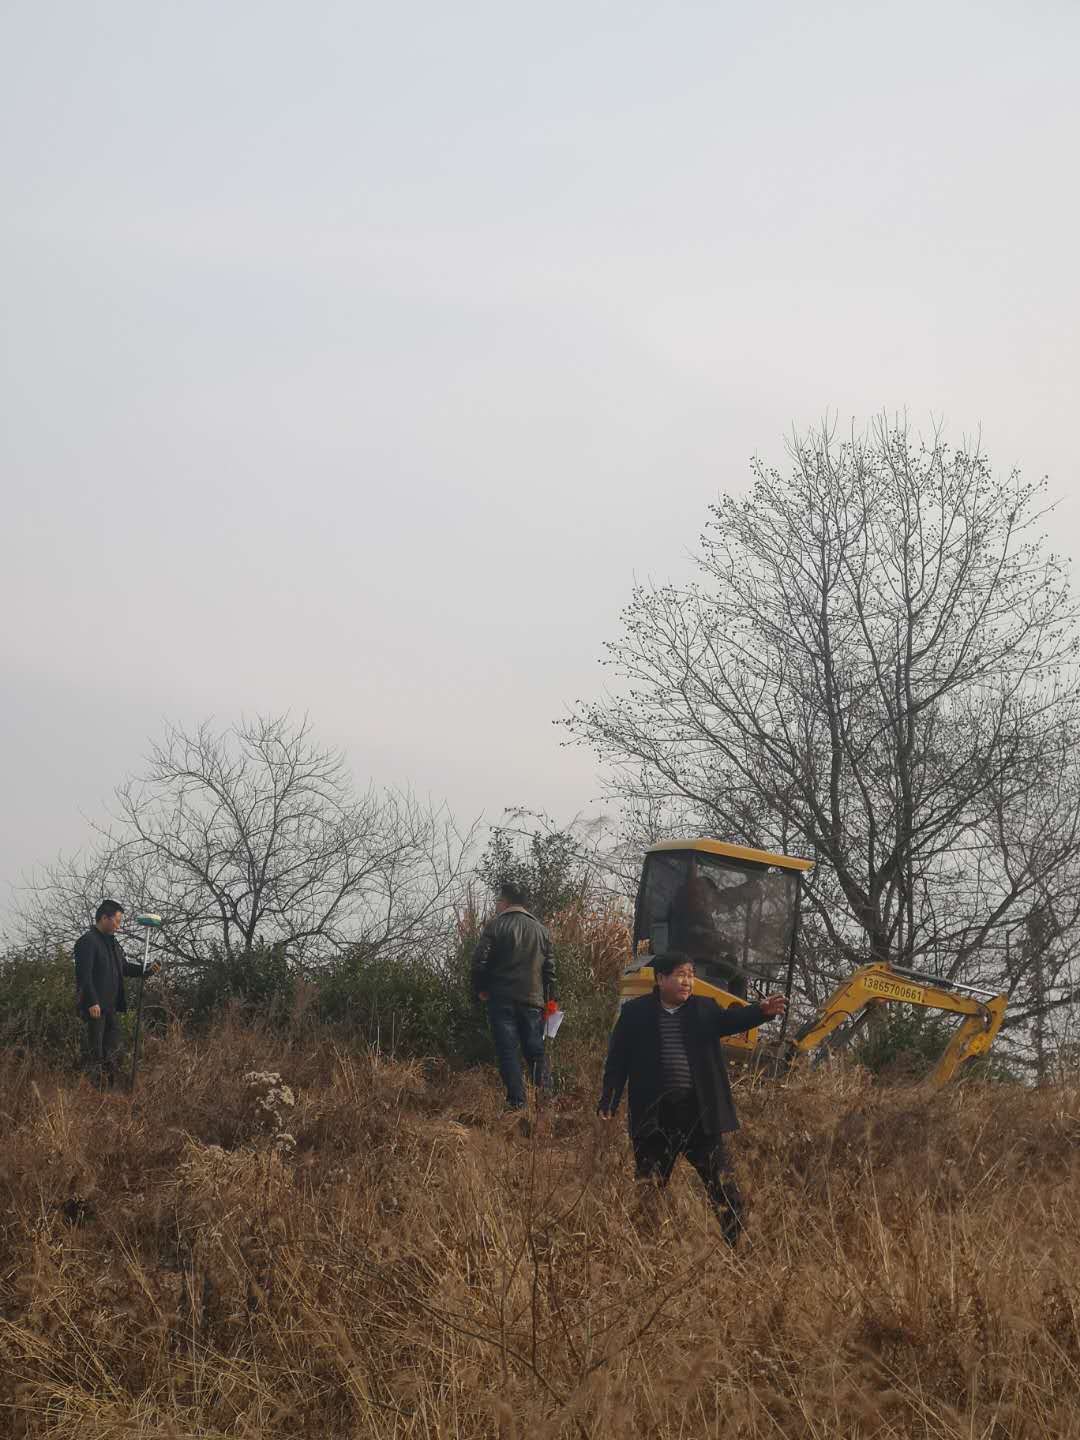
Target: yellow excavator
x=735, y=912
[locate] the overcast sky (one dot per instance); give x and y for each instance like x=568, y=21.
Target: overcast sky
x=356, y=357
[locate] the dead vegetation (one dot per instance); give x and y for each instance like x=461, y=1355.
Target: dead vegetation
x=290, y=1241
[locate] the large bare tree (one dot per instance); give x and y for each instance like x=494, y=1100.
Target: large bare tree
x=254, y=835
x=873, y=667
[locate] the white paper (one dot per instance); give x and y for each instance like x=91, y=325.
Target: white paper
x=552, y=1023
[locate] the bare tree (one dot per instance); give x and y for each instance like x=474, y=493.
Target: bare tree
x=255, y=836
x=874, y=668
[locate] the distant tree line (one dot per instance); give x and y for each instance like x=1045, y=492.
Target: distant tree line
x=288, y=893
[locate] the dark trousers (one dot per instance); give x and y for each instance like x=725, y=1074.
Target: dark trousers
x=517, y=1030
x=102, y=1047
x=674, y=1129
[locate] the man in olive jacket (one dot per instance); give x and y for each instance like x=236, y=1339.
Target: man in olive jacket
x=667, y=1045
x=513, y=973
x=100, y=967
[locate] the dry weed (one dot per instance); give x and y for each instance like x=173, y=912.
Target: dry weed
x=405, y=1262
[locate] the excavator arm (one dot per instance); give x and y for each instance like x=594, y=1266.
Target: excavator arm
x=870, y=985
x=878, y=984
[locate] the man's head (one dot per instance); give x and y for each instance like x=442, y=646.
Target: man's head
x=674, y=977
x=109, y=917
x=510, y=895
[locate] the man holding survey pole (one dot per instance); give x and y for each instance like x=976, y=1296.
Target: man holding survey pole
x=513, y=973
x=100, y=968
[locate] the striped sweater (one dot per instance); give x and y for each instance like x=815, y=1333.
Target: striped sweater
x=674, y=1061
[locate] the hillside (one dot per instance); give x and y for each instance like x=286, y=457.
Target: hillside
x=363, y=1248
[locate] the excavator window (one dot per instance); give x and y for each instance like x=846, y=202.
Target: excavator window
x=733, y=918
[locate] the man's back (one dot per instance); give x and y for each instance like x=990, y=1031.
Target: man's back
x=514, y=959
x=513, y=972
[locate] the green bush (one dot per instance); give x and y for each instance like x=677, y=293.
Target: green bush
x=406, y=1006
x=259, y=979
x=908, y=1041
x=37, y=1004
x=545, y=863
x=903, y=1040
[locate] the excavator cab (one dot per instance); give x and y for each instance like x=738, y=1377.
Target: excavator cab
x=731, y=909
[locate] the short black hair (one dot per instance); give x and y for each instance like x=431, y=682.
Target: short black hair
x=669, y=961
x=108, y=908
x=513, y=893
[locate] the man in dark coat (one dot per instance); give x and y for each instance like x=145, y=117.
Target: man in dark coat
x=667, y=1045
x=100, y=967
x=513, y=974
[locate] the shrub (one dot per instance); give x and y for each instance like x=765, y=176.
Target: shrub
x=37, y=1004
x=259, y=979
x=405, y=1006
x=906, y=1043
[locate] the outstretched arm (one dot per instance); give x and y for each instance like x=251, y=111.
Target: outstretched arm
x=737, y=1018
x=134, y=967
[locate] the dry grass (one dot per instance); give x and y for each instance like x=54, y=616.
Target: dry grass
x=408, y=1264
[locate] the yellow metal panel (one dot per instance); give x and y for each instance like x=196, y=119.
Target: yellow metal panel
x=733, y=852
x=894, y=989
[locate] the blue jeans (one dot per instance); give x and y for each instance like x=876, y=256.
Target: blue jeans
x=517, y=1030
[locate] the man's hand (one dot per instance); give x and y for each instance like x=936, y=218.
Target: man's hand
x=483, y=995
x=94, y=1012
x=154, y=967
x=773, y=1005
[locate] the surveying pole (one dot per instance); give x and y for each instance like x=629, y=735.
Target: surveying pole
x=148, y=922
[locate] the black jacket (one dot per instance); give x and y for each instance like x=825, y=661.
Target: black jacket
x=634, y=1055
x=100, y=967
x=514, y=959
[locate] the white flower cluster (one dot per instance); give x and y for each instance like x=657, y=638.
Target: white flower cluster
x=272, y=1099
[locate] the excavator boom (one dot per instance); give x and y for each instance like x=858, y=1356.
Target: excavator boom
x=879, y=984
